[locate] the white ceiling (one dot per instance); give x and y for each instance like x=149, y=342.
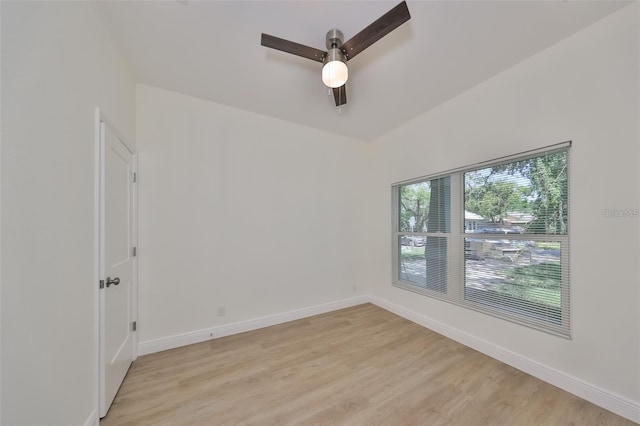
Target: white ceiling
x=211, y=50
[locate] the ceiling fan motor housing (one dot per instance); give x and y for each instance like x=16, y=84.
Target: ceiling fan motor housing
x=334, y=39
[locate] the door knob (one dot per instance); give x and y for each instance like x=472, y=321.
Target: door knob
x=114, y=281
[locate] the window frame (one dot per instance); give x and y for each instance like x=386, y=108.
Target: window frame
x=455, y=257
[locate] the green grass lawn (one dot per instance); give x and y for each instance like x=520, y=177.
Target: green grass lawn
x=548, y=245
x=411, y=253
x=535, y=283
x=539, y=284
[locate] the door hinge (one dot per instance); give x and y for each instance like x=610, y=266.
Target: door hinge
x=134, y=326
x=135, y=177
x=134, y=251
x=101, y=283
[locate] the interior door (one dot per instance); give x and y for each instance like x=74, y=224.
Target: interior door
x=117, y=265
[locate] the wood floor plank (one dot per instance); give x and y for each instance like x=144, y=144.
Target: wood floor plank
x=357, y=366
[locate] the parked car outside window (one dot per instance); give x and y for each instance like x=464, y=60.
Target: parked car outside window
x=413, y=241
x=498, y=231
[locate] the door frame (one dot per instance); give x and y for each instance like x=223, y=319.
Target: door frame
x=98, y=219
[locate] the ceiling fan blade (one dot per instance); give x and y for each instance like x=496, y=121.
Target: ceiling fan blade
x=292, y=47
x=340, y=95
x=378, y=29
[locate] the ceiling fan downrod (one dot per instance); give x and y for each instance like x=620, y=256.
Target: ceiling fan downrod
x=334, y=39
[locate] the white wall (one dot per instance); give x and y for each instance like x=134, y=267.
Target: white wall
x=58, y=64
x=584, y=89
x=242, y=211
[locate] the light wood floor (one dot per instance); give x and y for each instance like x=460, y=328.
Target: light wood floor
x=357, y=366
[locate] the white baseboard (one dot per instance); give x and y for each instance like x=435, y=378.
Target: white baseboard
x=615, y=403
x=165, y=343
x=93, y=419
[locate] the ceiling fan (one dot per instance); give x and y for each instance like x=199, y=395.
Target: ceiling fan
x=334, y=71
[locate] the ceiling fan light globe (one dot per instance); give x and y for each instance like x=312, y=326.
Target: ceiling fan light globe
x=335, y=74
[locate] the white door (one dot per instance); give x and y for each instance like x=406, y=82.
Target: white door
x=116, y=265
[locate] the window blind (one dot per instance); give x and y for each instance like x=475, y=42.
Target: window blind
x=493, y=237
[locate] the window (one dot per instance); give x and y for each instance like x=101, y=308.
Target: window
x=493, y=237
x=424, y=217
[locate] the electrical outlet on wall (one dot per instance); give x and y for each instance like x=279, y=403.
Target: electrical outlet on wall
x=222, y=311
